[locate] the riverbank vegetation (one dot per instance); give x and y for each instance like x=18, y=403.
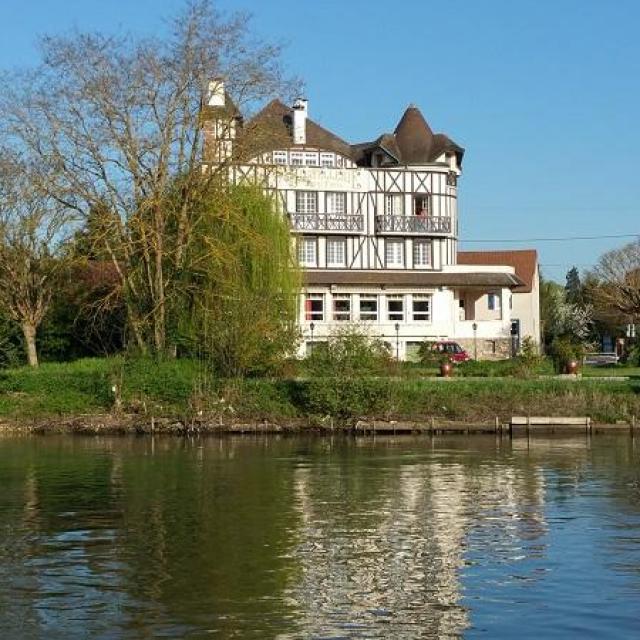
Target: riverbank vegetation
x=182, y=389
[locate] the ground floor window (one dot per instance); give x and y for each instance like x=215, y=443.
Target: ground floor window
x=314, y=306
x=422, y=308
x=342, y=308
x=395, y=307
x=368, y=307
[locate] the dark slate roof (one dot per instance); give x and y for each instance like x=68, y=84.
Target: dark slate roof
x=412, y=143
x=272, y=128
x=411, y=278
x=524, y=261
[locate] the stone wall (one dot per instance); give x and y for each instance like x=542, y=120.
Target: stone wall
x=488, y=349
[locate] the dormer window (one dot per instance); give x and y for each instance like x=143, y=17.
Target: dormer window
x=421, y=205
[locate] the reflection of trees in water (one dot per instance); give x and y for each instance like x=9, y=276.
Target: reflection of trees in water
x=388, y=560
x=260, y=537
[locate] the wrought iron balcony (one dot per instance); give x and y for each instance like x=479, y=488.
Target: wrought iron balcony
x=413, y=224
x=327, y=222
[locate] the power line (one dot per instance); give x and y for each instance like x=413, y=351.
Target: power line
x=559, y=239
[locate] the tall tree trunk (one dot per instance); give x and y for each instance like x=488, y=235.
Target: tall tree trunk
x=29, y=332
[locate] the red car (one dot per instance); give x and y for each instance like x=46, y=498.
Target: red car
x=452, y=349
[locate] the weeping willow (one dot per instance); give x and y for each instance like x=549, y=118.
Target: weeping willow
x=239, y=310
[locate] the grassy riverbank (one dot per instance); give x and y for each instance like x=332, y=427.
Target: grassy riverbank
x=181, y=389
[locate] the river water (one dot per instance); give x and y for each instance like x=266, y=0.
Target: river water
x=265, y=537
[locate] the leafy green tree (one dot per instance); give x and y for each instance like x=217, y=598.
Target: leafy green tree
x=574, y=293
x=241, y=285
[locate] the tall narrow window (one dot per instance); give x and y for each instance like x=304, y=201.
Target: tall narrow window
x=306, y=202
x=336, y=202
x=307, y=252
x=336, y=252
x=421, y=205
x=421, y=253
x=368, y=307
x=393, y=204
x=493, y=301
x=395, y=307
x=422, y=308
x=342, y=307
x=314, y=307
x=394, y=253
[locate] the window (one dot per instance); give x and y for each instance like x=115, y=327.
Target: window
x=336, y=202
x=314, y=306
x=280, y=157
x=342, y=308
x=307, y=252
x=422, y=308
x=368, y=307
x=421, y=253
x=297, y=158
x=336, y=252
x=311, y=159
x=393, y=204
x=306, y=202
x=493, y=301
x=394, y=253
x=327, y=160
x=421, y=205
x=395, y=307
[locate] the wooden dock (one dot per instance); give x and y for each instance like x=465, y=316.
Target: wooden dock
x=517, y=426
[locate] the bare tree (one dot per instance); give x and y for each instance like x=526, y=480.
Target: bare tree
x=117, y=123
x=31, y=226
x=616, y=289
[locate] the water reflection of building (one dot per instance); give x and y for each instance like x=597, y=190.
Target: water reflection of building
x=387, y=562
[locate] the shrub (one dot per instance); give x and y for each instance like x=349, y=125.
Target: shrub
x=428, y=356
x=528, y=360
x=348, y=400
x=349, y=353
x=564, y=350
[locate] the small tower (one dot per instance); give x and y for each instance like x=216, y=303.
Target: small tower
x=221, y=123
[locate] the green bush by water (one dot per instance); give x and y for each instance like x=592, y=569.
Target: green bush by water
x=182, y=388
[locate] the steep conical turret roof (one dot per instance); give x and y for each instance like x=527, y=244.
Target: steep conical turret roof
x=414, y=137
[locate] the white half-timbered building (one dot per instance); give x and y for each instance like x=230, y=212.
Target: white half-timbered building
x=376, y=226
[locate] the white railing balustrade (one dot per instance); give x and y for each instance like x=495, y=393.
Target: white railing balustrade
x=337, y=222
x=413, y=224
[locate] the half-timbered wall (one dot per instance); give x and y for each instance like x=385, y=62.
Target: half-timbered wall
x=366, y=224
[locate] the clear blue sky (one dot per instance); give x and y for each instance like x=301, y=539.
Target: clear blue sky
x=544, y=95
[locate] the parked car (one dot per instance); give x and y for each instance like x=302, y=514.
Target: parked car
x=451, y=349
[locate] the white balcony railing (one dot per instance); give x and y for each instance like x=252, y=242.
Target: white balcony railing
x=327, y=222
x=413, y=224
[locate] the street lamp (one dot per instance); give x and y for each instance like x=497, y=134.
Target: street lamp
x=474, y=326
x=397, y=341
x=312, y=326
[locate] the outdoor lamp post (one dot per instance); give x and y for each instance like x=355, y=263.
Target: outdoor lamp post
x=474, y=326
x=312, y=326
x=397, y=341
